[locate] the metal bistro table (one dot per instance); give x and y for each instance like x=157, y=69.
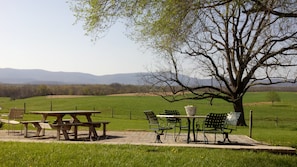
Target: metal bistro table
x=59, y=119
x=191, y=120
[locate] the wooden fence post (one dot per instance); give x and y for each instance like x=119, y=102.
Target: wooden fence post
x=25, y=108
x=276, y=121
x=94, y=109
x=130, y=115
x=251, y=123
x=111, y=112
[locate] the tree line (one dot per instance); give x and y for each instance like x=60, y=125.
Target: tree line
x=22, y=91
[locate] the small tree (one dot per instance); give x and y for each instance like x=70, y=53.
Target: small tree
x=273, y=97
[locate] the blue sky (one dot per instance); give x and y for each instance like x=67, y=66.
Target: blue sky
x=41, y=34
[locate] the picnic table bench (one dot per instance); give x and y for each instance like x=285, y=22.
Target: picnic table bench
x=66, y=125
x=35, y=123
x=97, y=124
x=39, y=125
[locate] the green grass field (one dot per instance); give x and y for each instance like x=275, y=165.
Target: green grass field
x=92, y=155
x=275, y=124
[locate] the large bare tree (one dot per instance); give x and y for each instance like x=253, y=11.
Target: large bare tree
x=236, y=43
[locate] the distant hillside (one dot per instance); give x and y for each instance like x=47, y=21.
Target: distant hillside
x=36, y=76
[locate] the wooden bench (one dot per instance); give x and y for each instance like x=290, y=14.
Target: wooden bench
x=39, y=125
x=65, y=127
x=35, y=123
x=96, y=125
x=64, y=122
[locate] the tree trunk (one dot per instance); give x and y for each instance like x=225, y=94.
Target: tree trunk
x=238, y=107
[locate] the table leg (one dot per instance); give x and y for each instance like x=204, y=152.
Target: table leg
x=193, y=124
x=43, y=132
x=75, y=132
x=60, y=121
x=26, y=130
x=65, y=134
x=91, y=127
x=75, y=120
x=38, y=128
x=44, y=116
x=189, y=130
x=104, y=130
x=58, y=133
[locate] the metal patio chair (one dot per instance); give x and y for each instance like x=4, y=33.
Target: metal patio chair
x=155, y=126
x=230, y=124
x=214, y=123
x=13, y=117
x=175, y=123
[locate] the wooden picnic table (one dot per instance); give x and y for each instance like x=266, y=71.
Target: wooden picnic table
x=61, y=126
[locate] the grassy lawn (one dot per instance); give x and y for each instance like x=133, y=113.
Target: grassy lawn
x=275, y=124
x=57, y=154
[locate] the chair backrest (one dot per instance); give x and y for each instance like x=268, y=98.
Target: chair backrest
x=172, y=112
x=15, y=114
x=151, y=117
x=232, y=118
x=215, y=120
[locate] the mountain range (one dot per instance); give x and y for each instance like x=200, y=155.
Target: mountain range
x=37, y=76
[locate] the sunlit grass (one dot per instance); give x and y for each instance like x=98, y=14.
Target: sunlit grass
x=61, y=154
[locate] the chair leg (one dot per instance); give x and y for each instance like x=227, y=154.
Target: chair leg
x=176, y=135
x=158, y=137
x=10, y=128
x=205, y=138
x=21, y=129
x=226, y=137
x=163, y=133
x=179, y=133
